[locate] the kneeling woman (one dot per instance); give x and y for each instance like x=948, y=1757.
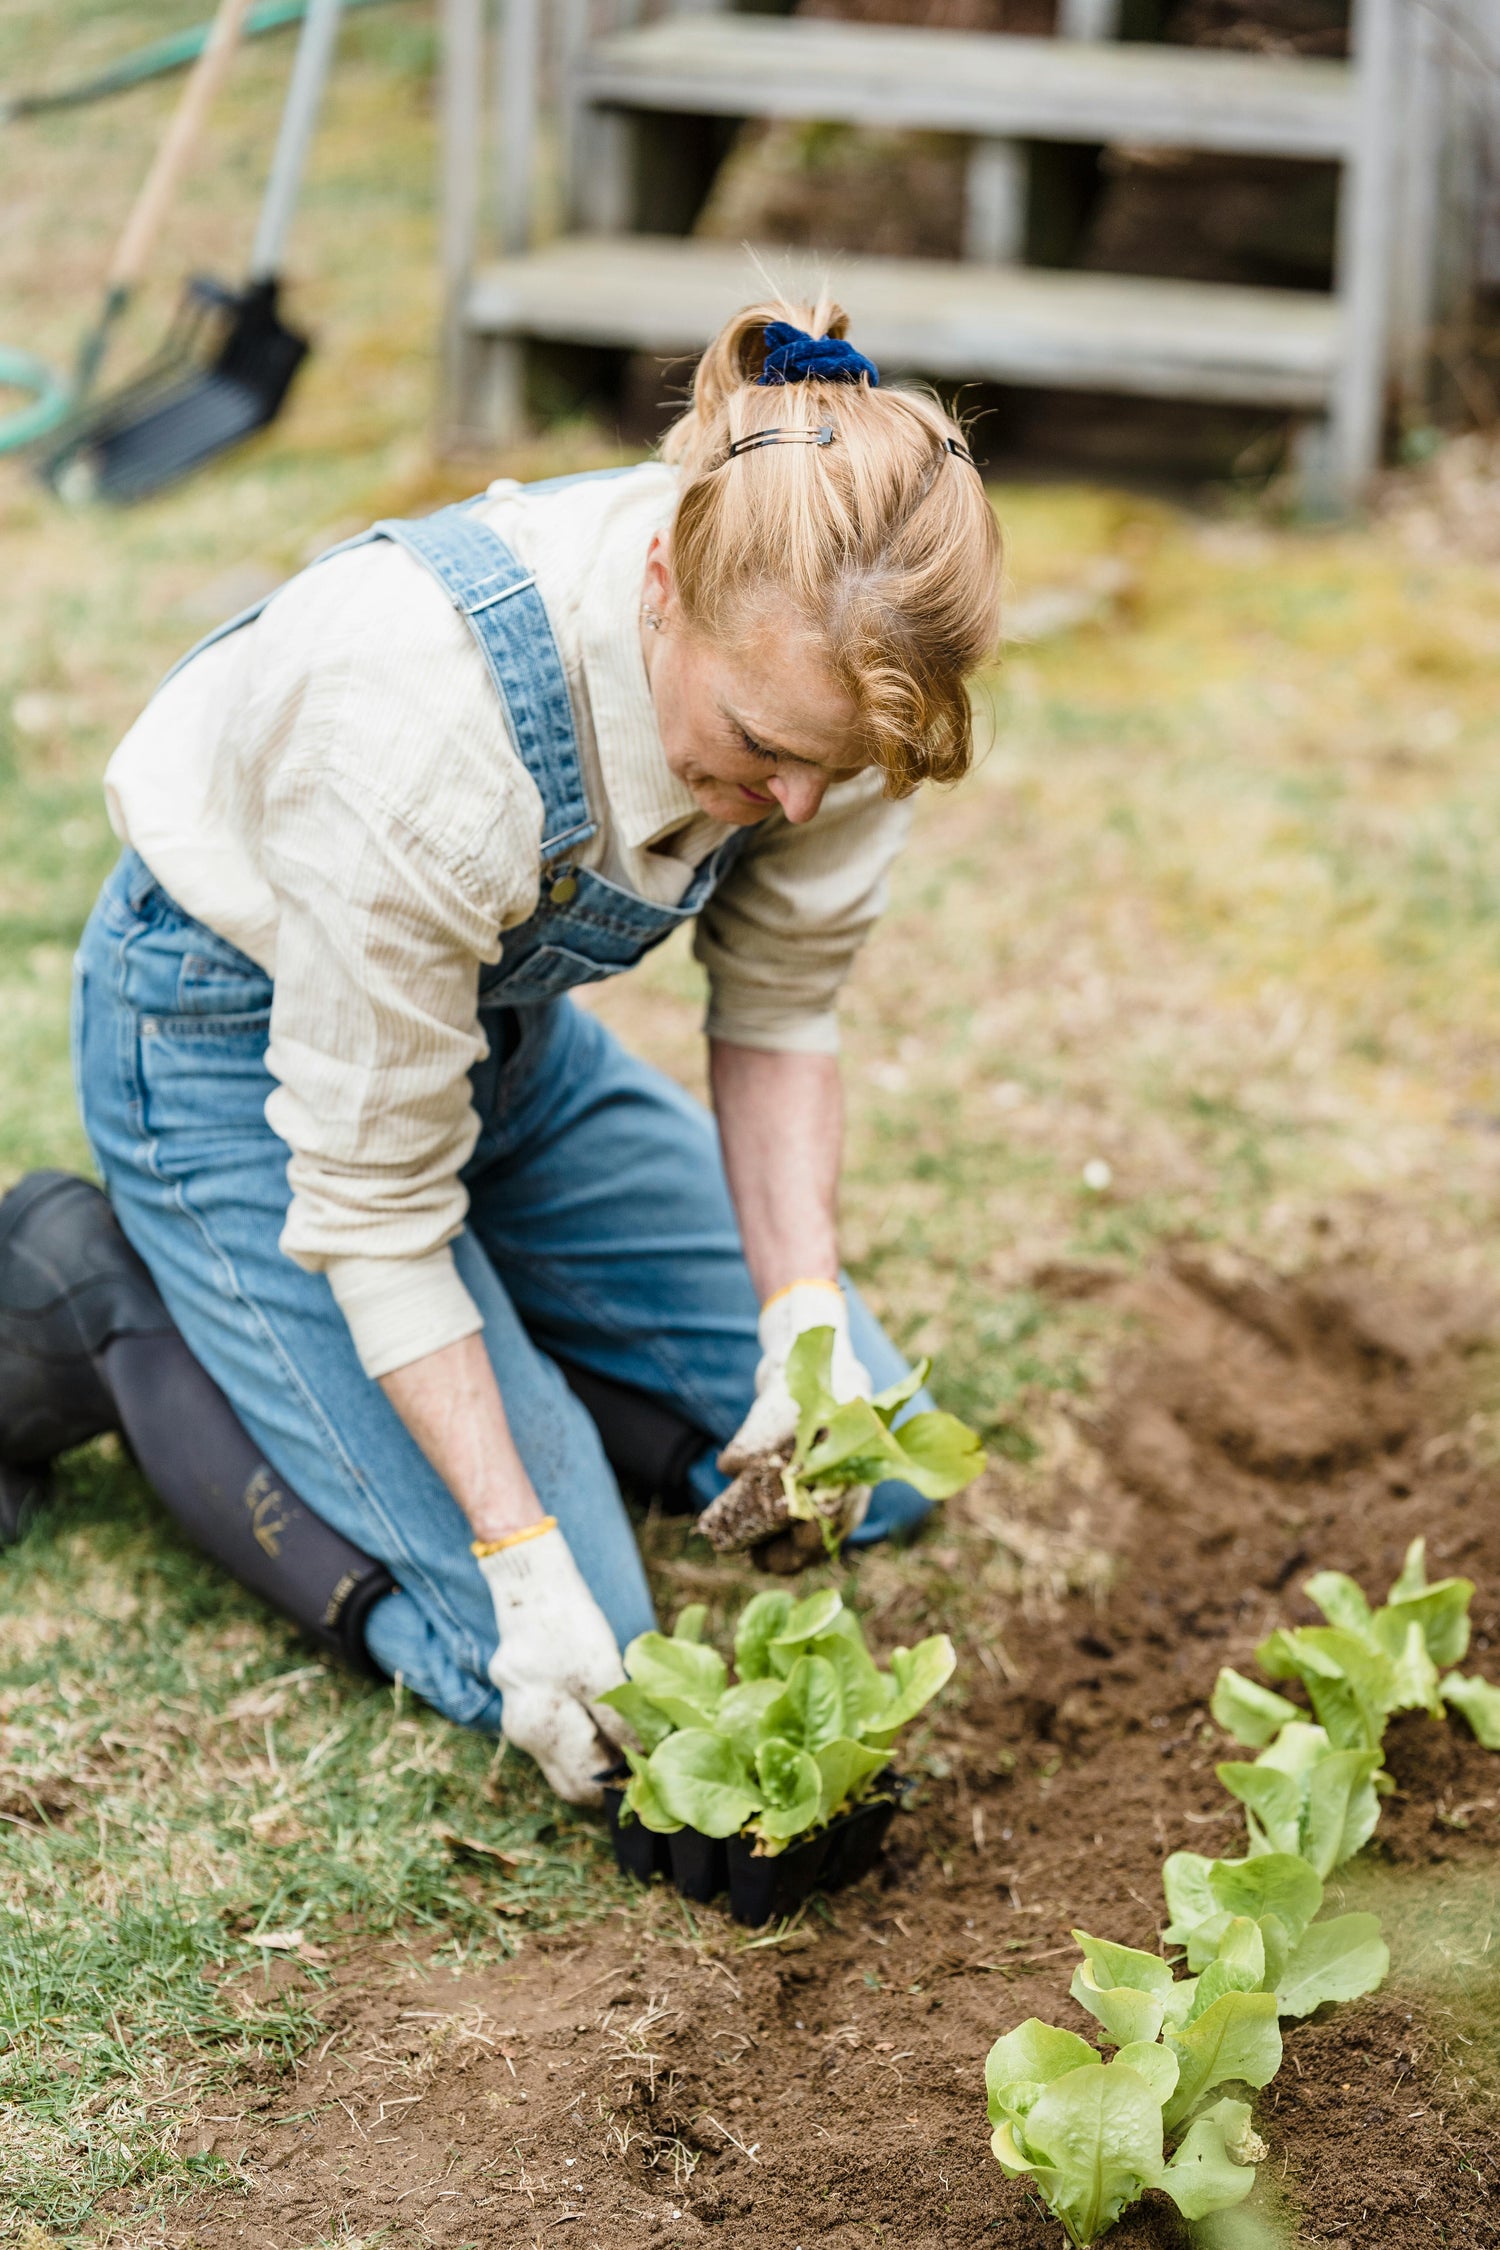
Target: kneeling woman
x=384, y=1175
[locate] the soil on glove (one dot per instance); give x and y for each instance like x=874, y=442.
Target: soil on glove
x=661, y=2079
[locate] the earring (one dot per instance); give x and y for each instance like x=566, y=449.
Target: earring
x=653, y=617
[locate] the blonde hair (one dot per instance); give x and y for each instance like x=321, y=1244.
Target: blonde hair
x=883, y=539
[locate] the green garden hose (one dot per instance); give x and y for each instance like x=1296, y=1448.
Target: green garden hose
x=156, y=61
x=51, y=394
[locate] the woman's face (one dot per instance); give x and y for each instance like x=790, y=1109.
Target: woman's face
x=751, y=727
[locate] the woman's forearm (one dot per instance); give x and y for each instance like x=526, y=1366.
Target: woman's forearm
x=450, y=1402
x=781, y=1125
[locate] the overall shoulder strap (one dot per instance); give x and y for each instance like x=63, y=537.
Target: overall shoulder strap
x=498, y=601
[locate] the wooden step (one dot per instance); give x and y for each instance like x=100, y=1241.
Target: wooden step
x=1160, y=339
x=974, y=83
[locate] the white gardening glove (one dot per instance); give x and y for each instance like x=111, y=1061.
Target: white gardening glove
x=771, y=1423
x=556, y=1657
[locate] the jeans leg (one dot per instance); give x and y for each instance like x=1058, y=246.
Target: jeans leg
x=173, y=1102
x=603, y=1206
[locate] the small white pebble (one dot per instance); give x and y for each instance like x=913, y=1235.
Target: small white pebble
x=570, y=2160
x=1097, y=1174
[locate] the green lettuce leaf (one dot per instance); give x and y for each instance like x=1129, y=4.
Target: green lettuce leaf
x=1092, y=2145
x=1150, y=2060
x=1413, y=1578
x=1335, y=1960
x=1442, y=1611
x=1340, y=1599
x=919, y=1673
x=1479, y=1703
x=760, y=1621
x=642, y=1801
x=1238, y=1966
x=846, y=1767
x=703, y=1781
x=1274, y=1803
x=1191, y=1903
x=742, y=1713
x=684, y=1679
x=805, y=1620
x=937, y=1453
x=1251, y=1713
x=1276, y=1883
x=1125, y=1990
x=810, y=1708
x=866, y=1689
x=1204, y=2175
x=647, y=1720
x=792, y=1787
x=1416, y=1676
x=1350, y=1680
x=1023, y=2061
x=890, y=1401
x=1236, y=2041
x=1342, y=1807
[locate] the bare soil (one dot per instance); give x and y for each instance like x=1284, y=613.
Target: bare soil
x=658, y=2079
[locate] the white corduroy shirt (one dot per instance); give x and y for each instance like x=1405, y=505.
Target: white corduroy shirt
x=334, y=790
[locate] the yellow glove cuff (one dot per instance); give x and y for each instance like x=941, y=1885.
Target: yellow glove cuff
x=820, y=1283
x=483, y=1547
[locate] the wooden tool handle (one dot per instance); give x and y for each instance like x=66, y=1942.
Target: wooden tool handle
x=172, y=158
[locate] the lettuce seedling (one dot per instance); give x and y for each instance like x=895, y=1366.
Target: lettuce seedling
x=852, y=1441
x=796, y=1740
x=1314, y=1789
x=840, y=1445
x=1091, y=2136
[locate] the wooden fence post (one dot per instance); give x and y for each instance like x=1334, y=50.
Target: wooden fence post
x=460, y=160
x=1366, y=241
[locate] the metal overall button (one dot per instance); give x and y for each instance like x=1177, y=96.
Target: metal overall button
x=563, y=888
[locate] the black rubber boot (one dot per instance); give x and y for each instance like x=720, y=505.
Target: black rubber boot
x=650, y=1445
x=69, y=1284
x=87, y=1345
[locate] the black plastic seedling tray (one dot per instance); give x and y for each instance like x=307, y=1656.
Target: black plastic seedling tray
x=760, y=1889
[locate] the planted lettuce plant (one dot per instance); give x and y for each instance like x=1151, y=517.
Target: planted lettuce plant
x=1314, y=1788
x=1091, y=2136
x=840, y=1446
x=796, y=1741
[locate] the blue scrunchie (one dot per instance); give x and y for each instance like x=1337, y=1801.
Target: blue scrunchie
x=792, y=356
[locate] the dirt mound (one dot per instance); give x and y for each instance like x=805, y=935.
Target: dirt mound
x=663, y=2079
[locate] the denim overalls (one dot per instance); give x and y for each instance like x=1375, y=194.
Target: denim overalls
x=599, y=1230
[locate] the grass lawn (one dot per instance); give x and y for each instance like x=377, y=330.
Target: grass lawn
x=1216, y=918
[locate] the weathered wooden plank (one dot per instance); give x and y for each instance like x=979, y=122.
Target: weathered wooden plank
x=459, y=182
x=1088, y=19
x=518, y=70
x=995, y=183
x=965, y=82
x=1086, y=331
